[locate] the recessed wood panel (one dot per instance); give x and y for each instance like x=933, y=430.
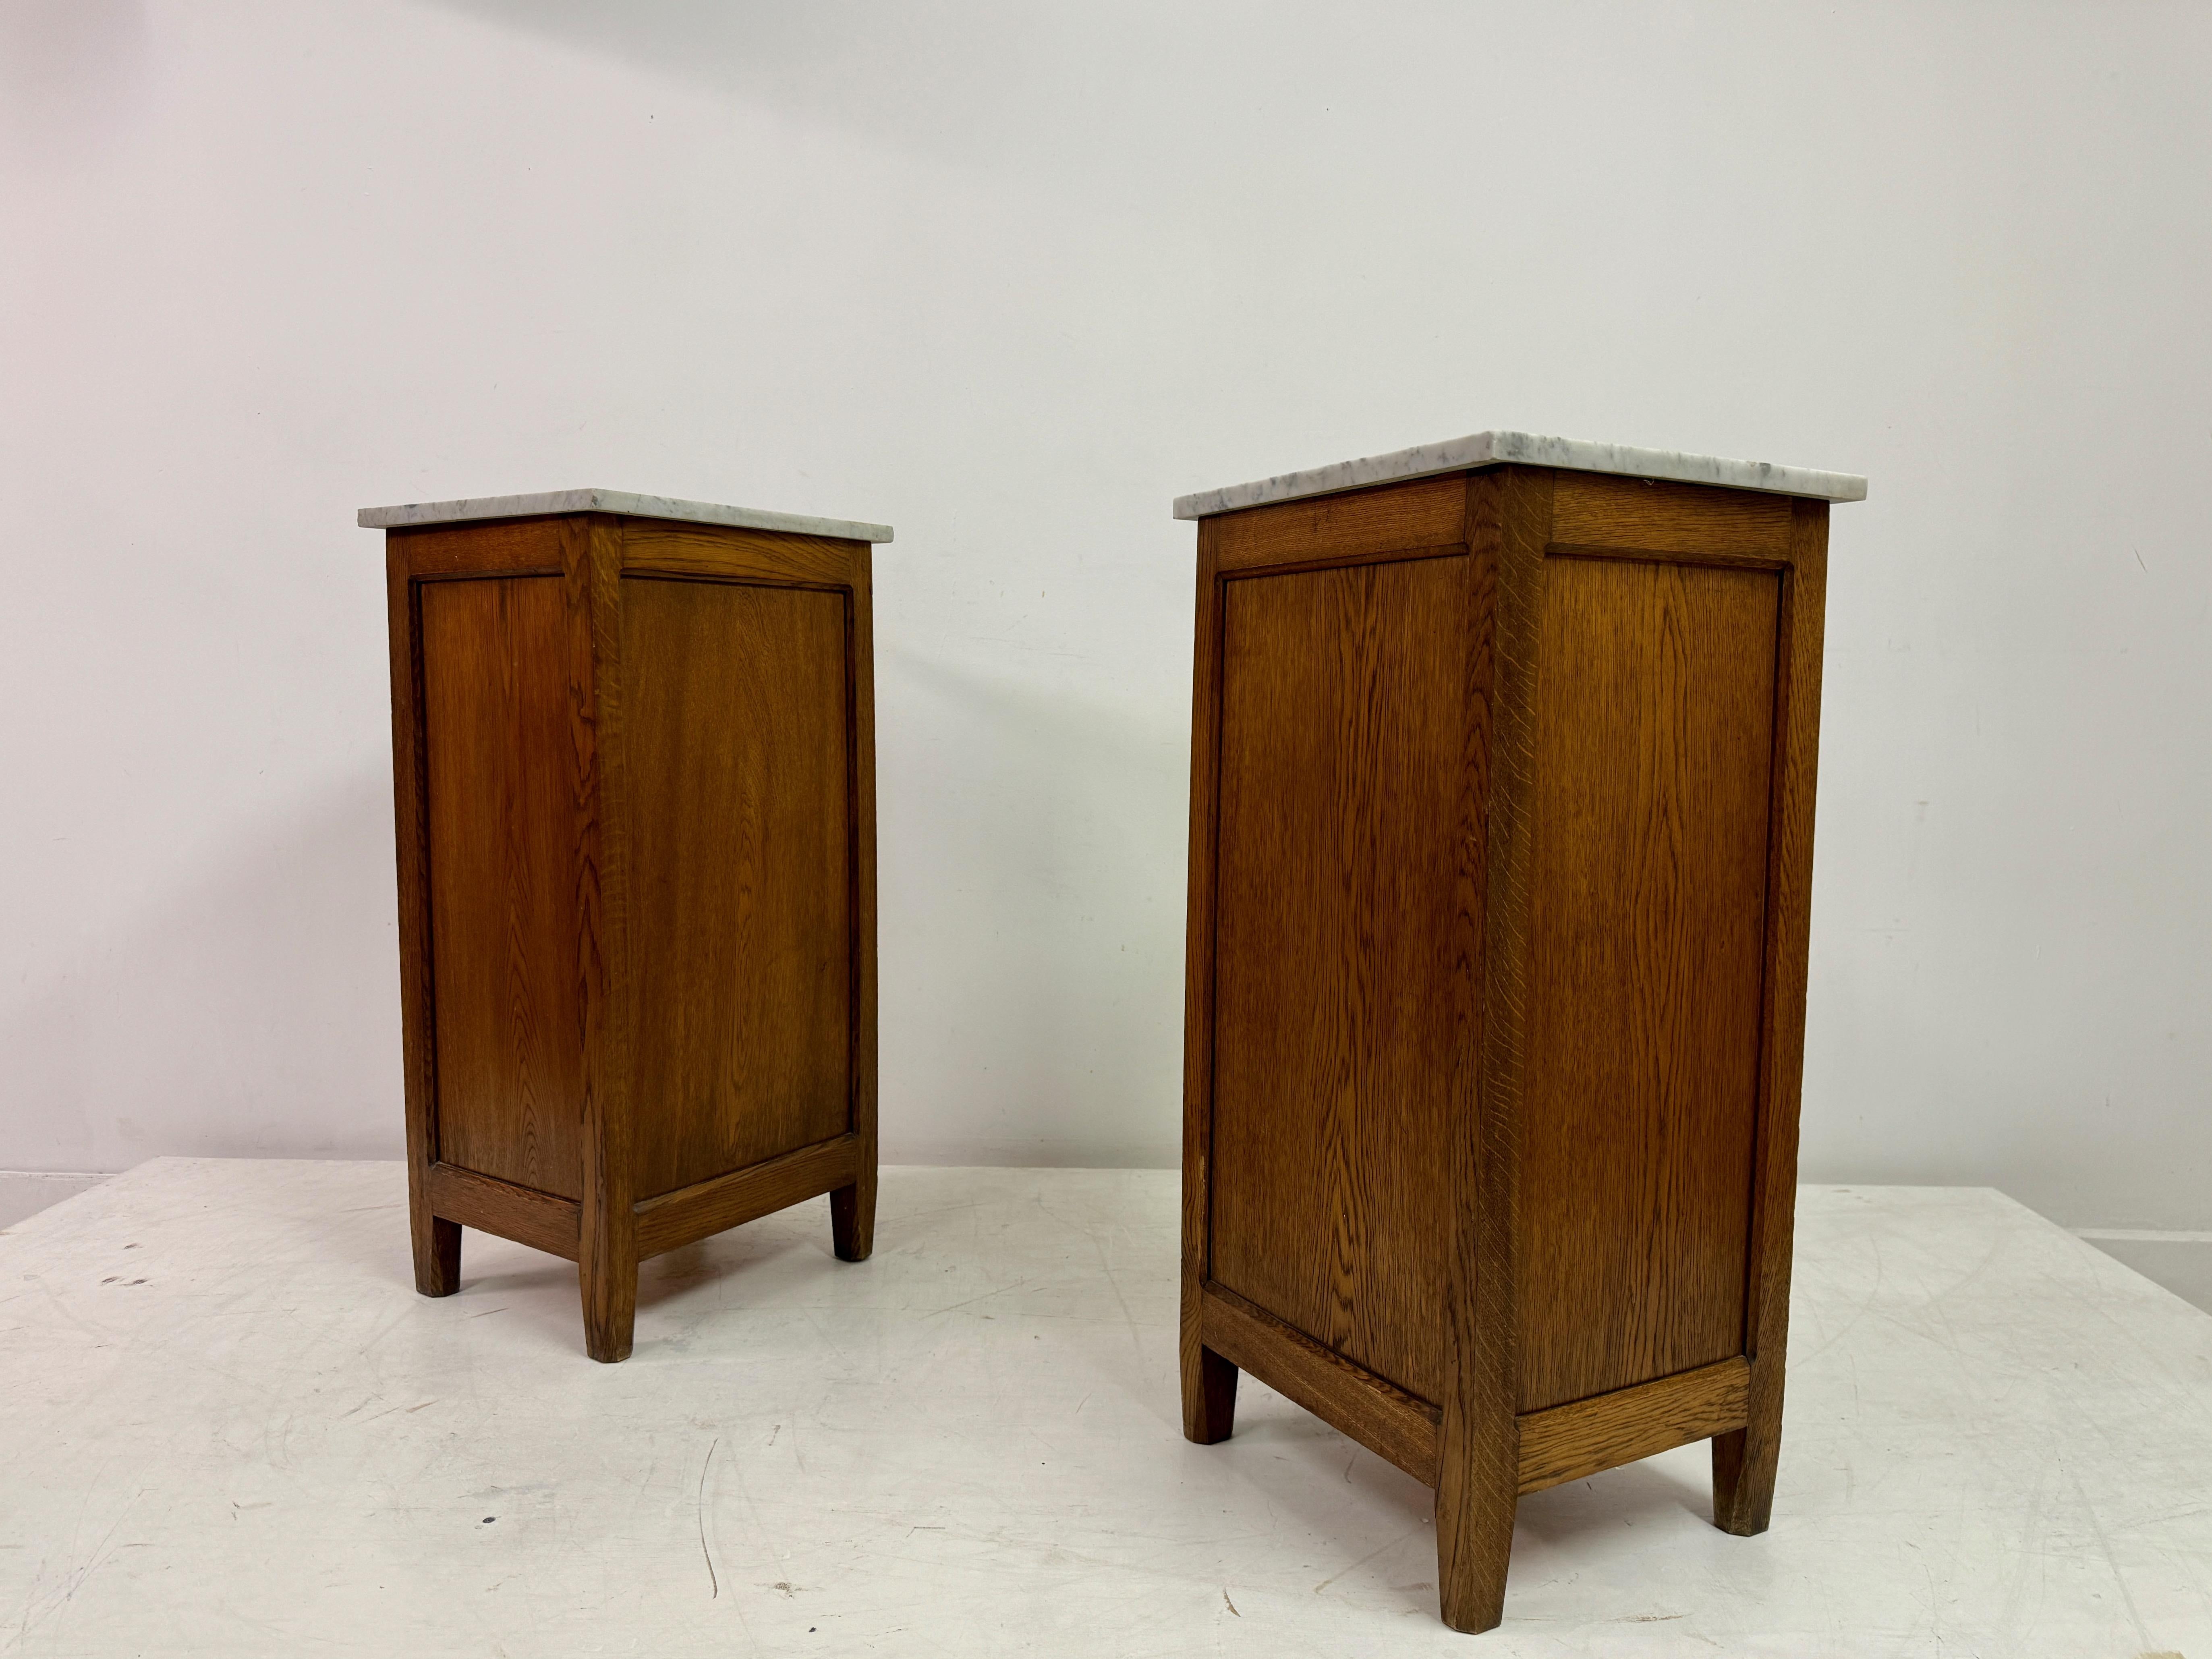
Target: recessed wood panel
x=1342, y=772
x=1650, y=804
x=507, y=802
x=736, y=727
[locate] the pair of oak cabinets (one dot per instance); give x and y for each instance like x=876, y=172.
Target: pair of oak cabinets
x=1501, y=840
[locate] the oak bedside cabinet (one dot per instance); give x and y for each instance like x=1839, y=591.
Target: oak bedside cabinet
x=634, y=762
x=1500, y=861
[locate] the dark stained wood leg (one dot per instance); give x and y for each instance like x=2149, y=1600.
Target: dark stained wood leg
x=1472, y=1558
x=1478, y=1491
x=1744, y=1467
x=852, y=1209
x=606, y=1267
x=437, y=1252
x=853, y=1217
x=610, y=1310
x=1209, y=1399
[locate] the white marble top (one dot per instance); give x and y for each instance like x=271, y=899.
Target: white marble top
x=1528, y=449
x=613, y=501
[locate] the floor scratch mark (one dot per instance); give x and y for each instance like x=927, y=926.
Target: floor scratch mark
x=1363, y=1560
x=711, y=1578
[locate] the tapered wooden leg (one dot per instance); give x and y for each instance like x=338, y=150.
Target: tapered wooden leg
x=610, y=1310
x=1476, y=1498
x=1744, y=1466
x=437, y=1252
x=1477, y=1449
x=1209, y=1399
x=1744, y=1462
x=853, y=1218
x=606, y=1267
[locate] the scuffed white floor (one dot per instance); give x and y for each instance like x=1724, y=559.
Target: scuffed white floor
x=229, y=1425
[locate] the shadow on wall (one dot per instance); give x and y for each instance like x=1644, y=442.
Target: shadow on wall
x=253, y=1011
x=1035, y=840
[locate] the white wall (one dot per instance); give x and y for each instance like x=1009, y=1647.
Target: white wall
x=1010, y=278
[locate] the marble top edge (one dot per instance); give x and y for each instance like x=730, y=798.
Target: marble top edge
x=613, y=501
x=1528, y=449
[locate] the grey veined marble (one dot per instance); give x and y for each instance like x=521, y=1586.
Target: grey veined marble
x=613, y=501
x=1528, y=449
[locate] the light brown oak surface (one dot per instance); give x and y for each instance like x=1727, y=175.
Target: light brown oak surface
x=633, y=775
x=1647, y=923
x=1500, y=860
x=1340, y=745
x=740, y=890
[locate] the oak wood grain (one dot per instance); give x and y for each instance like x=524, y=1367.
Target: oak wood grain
x=464, y=1198
x=737, y=742
x=1509, y=515
x=1337, y=956
x=1653, y=516
x=1745, y=1464
x=658, y=547
x=607, y=1257
x=503, y=547
x=1386, y=1420
x=729, y=1200
x=507, y=780
x=1358, y=525
x=596, y=834
x=1495, y=980
x=1655, y=727
x=1572, y=1442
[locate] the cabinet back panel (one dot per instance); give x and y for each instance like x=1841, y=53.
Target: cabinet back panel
x=507, y=790
x=736, y=723
x=1651, y=806
x=1341, y=806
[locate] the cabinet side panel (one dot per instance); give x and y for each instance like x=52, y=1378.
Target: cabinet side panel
x=505, y=791
x=1654, y=714
x=737, y=737
x=1337, y=972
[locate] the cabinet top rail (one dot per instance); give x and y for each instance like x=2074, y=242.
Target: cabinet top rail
x=612, y=501
x=1528, y=449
